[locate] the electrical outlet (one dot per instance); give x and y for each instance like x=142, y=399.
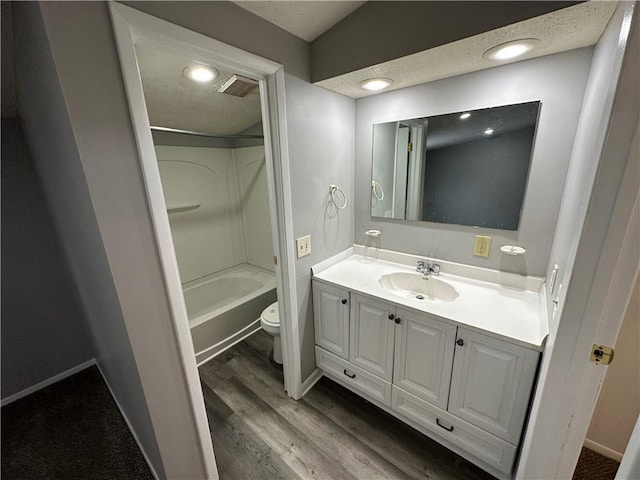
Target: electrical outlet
x=303, y=246
x=482, y=247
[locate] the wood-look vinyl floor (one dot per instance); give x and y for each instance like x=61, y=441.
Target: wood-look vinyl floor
x=259, y=432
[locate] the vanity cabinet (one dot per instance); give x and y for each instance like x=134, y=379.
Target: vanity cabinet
x=372, y=335
x=331, y=314
x=424, y=348
x=468, y=390
x=491, y=383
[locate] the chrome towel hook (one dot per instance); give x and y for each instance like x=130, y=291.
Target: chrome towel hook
x=332, y=192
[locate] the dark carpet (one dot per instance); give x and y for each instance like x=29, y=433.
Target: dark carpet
x=593, y=466
x=69, y=430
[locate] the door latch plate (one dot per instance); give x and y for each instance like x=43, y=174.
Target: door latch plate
x=601, y=354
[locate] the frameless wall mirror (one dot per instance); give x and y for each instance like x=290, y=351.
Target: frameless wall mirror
x=464, y=168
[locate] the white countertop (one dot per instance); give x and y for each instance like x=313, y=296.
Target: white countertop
x=517, y=314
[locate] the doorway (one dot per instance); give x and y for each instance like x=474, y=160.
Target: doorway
x=133, y=28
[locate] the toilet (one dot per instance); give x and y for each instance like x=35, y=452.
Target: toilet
x=270, y=322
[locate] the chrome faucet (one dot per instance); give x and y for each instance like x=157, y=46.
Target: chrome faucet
x=426, y=269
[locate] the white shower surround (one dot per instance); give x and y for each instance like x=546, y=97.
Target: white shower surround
x=218, y=207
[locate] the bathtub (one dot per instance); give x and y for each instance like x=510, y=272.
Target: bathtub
x=225, y=307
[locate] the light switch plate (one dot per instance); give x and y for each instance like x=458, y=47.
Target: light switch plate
x=303, y=246
x=482, y=246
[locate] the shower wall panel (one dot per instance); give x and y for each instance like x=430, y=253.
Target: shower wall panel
x=218, y=207
x=254, y=204
x=201, y=195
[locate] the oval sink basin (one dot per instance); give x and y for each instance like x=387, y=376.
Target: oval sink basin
x=414, y=286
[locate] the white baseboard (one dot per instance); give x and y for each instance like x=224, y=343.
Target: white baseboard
x=602, y=450
x=311, y=381
x=126, y=419
x=47, y=382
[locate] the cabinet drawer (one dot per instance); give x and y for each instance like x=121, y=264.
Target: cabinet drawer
x=482, y=445
x=354, y=377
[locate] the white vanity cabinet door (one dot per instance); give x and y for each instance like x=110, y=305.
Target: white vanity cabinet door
x=491, y=383
x=331, y=318
x=372, y=331
x=424, y=356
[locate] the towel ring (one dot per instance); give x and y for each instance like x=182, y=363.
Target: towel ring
x=377, y=190
x=332, y=191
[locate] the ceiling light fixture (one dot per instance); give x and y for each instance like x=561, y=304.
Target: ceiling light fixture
x=465, y=115
x=375, y=84
x=488, y=131
x=510, y=50
x=200, y=73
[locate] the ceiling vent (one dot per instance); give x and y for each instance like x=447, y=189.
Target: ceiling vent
x=238, y=86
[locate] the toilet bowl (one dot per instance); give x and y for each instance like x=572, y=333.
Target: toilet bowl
x=270, y=322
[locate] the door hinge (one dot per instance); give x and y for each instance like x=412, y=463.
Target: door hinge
x=409, y=147
x=601, y=354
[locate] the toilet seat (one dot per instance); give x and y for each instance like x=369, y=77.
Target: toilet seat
x=271, y=316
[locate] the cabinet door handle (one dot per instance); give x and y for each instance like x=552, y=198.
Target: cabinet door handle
x=350, y=375
x=344, y=301
x=448, y=429
x=460, y=342
x=391, y=316
x=398, y=320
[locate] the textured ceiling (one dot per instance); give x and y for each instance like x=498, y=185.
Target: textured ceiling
x=574, y=27
x=175, y=102
x=305, y=19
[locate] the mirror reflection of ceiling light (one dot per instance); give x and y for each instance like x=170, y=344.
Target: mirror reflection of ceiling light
x=374, y=84
x=465, y=115
x=512, y=49
x=200, y=73
x=488, y=131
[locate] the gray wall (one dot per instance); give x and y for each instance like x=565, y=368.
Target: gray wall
x=235, y=26
x=320, y=126
x=78, y=129
x=380, y=31
x=43, y=329
x=558, y=81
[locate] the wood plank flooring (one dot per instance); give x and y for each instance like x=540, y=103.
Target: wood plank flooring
x=259, y=432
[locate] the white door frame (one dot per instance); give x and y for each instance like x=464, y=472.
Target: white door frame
x=131, y=25
x=593, y=304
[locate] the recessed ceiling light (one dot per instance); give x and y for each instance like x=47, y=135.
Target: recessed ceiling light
x=512, y=49
x=374, y=84
x=465, y=115
x=488, y=131
x=200, y=73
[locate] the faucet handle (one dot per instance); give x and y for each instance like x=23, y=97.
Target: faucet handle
x=421, y=263
x=435, y=268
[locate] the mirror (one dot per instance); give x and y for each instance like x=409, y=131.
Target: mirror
x=465, y=168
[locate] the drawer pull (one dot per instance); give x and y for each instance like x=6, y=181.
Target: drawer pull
x=397, y=320
x=448, y=429
x=460, y=342
x=350, y=375
x=391, y=316
x=344, y=301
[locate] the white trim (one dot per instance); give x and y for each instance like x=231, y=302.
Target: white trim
x=602, y=450
x=126, y=419
x=311, y=381
x=228, y=342
x=47, y=382
x=130, y=24
x=278, y=172
x=569, y=383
